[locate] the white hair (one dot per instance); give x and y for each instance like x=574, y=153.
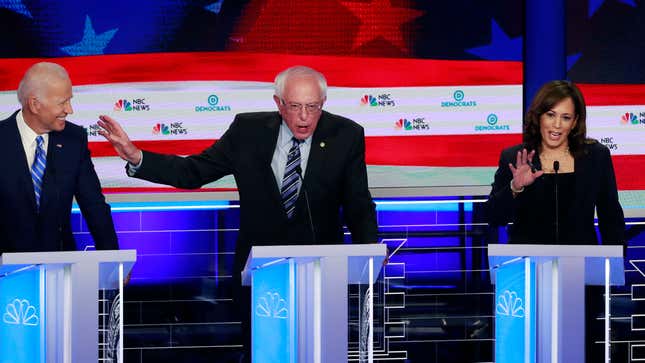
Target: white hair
x=281, y=79
x=37, y=77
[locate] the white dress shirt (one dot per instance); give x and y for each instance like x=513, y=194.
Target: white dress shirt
x=28, y=137
x=279, y=160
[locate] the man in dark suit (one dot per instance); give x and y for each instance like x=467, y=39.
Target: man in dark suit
x=294, y=168
x=47, y=163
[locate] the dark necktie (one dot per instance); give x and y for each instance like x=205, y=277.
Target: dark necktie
x=38, y=169
x=291, y=179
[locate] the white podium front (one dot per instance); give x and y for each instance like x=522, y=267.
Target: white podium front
x=543, y=298
x=300, y=300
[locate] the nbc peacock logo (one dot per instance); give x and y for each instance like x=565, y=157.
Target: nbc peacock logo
x=629, y=118
x=135, y=104
x=160, y=129
x=379, y=100
x=272, y=305
x=123, y=105
x=510, y=304
x=369, y=100
x=21, y=312
x=403, y=124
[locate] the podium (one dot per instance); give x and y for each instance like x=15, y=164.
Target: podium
x=540, y=298
x=299, y=300
x=49, y=303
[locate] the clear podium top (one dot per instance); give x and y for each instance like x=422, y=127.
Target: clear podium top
x=357, y=255
x=594, y=258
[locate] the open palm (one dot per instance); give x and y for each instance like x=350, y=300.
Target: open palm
x=523, y=172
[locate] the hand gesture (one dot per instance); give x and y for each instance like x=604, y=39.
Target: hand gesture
x=113, y=133
x=523, y=172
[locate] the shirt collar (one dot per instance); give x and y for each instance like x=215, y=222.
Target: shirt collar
x=26, y=133
x=285, y=136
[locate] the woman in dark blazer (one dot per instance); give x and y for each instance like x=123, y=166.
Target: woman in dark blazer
x=550, y=185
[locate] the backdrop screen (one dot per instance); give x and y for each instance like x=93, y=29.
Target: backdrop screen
x=437, y=90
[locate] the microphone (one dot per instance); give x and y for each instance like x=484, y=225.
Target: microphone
x=556, y=167
x=304, y=190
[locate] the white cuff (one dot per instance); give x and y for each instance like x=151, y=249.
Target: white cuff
x=514, y=190
x=132, y=169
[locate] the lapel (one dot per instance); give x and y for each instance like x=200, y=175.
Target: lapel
x=18, y=154
x=317, y=153
x=50, y=184
x=266, y=147
x=582, y=165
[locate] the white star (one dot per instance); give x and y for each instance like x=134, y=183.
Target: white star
x=17, y=6
x=215, y=7
x=91, y=42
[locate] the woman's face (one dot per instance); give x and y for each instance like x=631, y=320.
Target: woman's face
x=557, y=123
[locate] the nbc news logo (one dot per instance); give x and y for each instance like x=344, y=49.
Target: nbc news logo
x=382, y=100
x=175, y=128
x=630, y=118
x=137, y=104
x=418, y=123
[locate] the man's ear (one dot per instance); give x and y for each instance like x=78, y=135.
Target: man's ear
x=33, y=104
x=278, y=103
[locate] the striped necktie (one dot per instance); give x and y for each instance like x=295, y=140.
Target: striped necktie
x=38, y=169
x=291, y=179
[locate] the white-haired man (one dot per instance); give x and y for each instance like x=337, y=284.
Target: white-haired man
x=274, y=157
x=47, y=164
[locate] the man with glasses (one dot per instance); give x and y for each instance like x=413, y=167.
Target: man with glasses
x=294, y=169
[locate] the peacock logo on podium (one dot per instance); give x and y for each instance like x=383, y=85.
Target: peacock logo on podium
x=272, y=305
x=20, y=312
x=509, y=304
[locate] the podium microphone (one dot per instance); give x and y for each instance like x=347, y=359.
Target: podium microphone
x=556, y=167
x=304, y=190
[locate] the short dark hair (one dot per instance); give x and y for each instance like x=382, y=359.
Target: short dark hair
x=545, y=99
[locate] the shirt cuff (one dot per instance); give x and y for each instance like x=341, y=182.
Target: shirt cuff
x=132, y=169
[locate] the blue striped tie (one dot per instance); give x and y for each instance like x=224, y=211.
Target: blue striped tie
x=38, y=169
x=291, y=179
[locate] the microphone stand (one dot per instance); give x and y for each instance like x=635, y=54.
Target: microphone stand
x=304, y=190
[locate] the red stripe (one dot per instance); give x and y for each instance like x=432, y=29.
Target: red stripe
x=185, y=147
x=239, y=66
x=629, y=170
x=613, y=94
x=438, y=150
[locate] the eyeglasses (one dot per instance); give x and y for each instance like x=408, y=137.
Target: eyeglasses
x=297, y=107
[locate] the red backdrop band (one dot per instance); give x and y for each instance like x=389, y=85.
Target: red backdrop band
x=239, y=66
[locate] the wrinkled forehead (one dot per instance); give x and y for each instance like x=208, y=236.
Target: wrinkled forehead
x=57, y=87
x=302, y=89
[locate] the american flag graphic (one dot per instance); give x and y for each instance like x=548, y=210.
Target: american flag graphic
x=437, y=85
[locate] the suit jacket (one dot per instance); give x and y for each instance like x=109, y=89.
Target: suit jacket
x=336, y=177
x=69, y=173
x=595, y=190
